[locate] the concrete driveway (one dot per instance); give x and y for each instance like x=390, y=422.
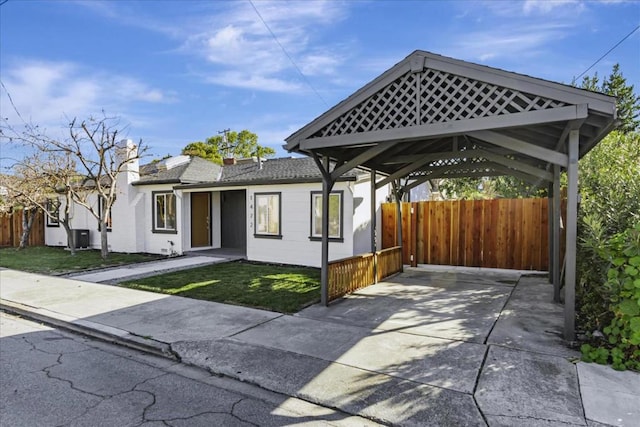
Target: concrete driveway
x=426, y=347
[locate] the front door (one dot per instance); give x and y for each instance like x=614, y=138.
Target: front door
x=200, y=219
x=233, y=213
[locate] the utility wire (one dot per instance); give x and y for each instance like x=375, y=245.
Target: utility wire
x=608, y=52
x=11, y=100
x=287, y=54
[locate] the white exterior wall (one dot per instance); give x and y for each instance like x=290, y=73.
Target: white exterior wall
x=362, y=214
x=126, y=212
x=132, y=229
x=157, y=243
x=295, y=246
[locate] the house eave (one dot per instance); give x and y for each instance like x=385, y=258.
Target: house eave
x=157, y=182
x=258, y=182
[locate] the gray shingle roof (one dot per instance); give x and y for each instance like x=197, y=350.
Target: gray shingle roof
x=199, y=172
x=294, y=169
x=195, y=170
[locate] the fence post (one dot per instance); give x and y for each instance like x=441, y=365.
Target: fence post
x=413, y=234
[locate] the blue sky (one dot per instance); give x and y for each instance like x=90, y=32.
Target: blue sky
x=180, y=71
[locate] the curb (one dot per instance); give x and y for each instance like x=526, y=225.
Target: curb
x=90, y=329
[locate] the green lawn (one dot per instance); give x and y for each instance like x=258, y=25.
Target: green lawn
x=47, y=260
x=285, y=289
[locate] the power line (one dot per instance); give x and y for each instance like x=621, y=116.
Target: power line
x=608, y=52
x=11, y=99
x=287, y=54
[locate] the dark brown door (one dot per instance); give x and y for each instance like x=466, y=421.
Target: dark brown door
x=200, y=219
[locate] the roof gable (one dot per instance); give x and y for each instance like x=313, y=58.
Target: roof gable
x=426, y=89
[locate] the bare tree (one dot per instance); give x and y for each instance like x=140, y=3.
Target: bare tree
x=40, y=180
x=96, y=150
x=101, y=156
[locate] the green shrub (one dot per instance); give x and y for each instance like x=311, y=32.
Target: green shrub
x=621, y=346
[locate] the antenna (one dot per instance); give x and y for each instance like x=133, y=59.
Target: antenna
x=227, y=149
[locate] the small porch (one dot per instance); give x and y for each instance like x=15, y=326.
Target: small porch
x=216, y=222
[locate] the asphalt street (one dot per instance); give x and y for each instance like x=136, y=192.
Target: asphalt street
x=51, y=377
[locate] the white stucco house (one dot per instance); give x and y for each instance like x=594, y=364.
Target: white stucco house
x=268, y=210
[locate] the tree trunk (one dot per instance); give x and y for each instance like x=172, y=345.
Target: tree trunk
x=71, y=241
x=28, y=216
x=104, y=248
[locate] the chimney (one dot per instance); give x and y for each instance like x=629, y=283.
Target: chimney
x=229, y=161
x=127, y=151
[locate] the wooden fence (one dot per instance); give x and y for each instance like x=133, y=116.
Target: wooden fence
x=11, y=229
x=500, y=233
x=350, y=274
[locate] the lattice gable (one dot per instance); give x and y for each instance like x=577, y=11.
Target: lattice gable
x=433, y=96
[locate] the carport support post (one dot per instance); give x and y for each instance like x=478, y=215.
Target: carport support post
x=550, y=229
x=373, y=225
x=555, y=224
x=327, y=183
x=397, y=193
x=571, y=229
x=373, y=210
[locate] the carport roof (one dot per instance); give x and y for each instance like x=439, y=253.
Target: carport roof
x=431, y=116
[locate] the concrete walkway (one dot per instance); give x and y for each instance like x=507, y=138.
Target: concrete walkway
x=427, y=348
x=135, y=271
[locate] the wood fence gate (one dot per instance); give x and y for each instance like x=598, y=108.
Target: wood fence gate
x=499, y=233
x=11, y=229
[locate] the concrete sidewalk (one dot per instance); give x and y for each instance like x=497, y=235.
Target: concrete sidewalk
x=429, y=348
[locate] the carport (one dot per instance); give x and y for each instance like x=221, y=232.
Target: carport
x=431, y=117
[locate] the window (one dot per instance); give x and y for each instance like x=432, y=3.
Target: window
x=53, y=208
x=335, y=215
x=164, y=212
x=101, y=208
x=267, y=215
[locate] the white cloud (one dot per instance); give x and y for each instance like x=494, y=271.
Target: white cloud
x=546, y=6
x=508, y=41
x=48, y=93
x=245, y=54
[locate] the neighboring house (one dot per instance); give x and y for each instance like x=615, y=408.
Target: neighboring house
x=269, y=210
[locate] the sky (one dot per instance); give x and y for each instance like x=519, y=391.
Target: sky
x=180, y=71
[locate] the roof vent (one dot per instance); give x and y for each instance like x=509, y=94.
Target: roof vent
x=172, y=162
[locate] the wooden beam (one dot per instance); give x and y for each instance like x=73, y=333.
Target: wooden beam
x=518, y=174
x=327, y=185
x=414, y=183
x=361, y=158
x=433, y=130
x=521, y=147
x=515, y=164
x=373, y=211
x=326, y=175
x=402, y=172
x=443, y=155
x=571, y=230
x=397, y=192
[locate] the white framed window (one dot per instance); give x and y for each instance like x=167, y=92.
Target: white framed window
x=164, y=212
x=267, y=213
x=53, y=208
x=335, y=215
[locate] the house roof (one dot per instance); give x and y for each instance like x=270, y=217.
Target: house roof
x=197, y=173
x=273, y=171
x=195, y=169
